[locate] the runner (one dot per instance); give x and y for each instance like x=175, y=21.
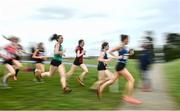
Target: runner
x=103, y=73
x=56, y=63
x=78, y=62
x=39, y=58
x=121, y=71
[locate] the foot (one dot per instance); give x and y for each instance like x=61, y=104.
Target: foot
x=80, y=82
x=67, y=90
x=132, y=100
x=15, y=78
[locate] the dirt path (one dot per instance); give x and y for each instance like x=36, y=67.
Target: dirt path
x=159, y=99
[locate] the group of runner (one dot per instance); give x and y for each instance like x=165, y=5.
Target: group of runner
x=105, y=77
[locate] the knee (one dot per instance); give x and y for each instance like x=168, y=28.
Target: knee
x=13, y=73
x=38, y=71
x=132, y=80
x=49, y=75
x=19, y=66
x=86, y=71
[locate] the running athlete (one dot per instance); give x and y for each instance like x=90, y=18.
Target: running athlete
x=121, y=71
x=16, y=50
x=39, y=58
x=9, y=61
x=56, y=63
x=103, y=73
x=80, y=52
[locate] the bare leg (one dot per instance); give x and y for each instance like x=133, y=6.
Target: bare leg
x=101, y=77
x=84, y=73
x=71, y=71
x=52, y=70
x=130, y=81
x=17, y=66
x=39, y=69
x=11, y=73
x=109, y=82
x=62, y=73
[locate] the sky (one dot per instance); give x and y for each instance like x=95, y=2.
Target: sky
x=94, y=21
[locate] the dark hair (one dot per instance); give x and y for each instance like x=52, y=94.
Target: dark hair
x=104, y=44
x=123, y=37
x=55, y=37
x=80, y=41
x=40, y=46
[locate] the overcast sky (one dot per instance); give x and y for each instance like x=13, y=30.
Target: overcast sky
x=92, y=20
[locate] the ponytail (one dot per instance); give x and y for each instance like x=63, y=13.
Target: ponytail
x=55, y=37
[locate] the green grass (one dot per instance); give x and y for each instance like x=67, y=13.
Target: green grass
x=172, y=70
x=26, y=94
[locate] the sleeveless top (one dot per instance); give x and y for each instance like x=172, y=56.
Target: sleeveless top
x=80, y=49
x=58, y=57
x=105, y=57
x=123, y=52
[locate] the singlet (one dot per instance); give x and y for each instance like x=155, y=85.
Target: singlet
x=122, y=52
x=11, y=51
x=40, y=52
x=80, y=49
x=105, y=57
x=58, y=57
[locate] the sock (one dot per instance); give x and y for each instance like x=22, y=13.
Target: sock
x=17, y=70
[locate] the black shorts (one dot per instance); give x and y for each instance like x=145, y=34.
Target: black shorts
x=101, y=66
x=17, y=58
x=77, y=63
x=9, y=61
x=120, y=66
x=39, y=61
x=56, y=63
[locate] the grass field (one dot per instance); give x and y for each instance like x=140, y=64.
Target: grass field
x=26, y=94
x=172, y=70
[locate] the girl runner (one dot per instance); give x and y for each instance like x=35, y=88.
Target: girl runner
x=80, y=52
x=39, y=58
x=103, y=73
x=16, y=50
x=9, y=61
x=121, y=71
x=56, y=63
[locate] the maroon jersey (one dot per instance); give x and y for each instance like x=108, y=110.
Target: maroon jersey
x=80, y=49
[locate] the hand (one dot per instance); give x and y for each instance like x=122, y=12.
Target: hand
x=131, y=52
x=120, y=57
x=110, y=59
x=45, y=58
x=84, y=52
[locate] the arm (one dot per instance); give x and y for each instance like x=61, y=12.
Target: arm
x=80, y=54
x=101, y=58
x=56, y=50
x=23, y=51
x=36, y=57
x=111, y=52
